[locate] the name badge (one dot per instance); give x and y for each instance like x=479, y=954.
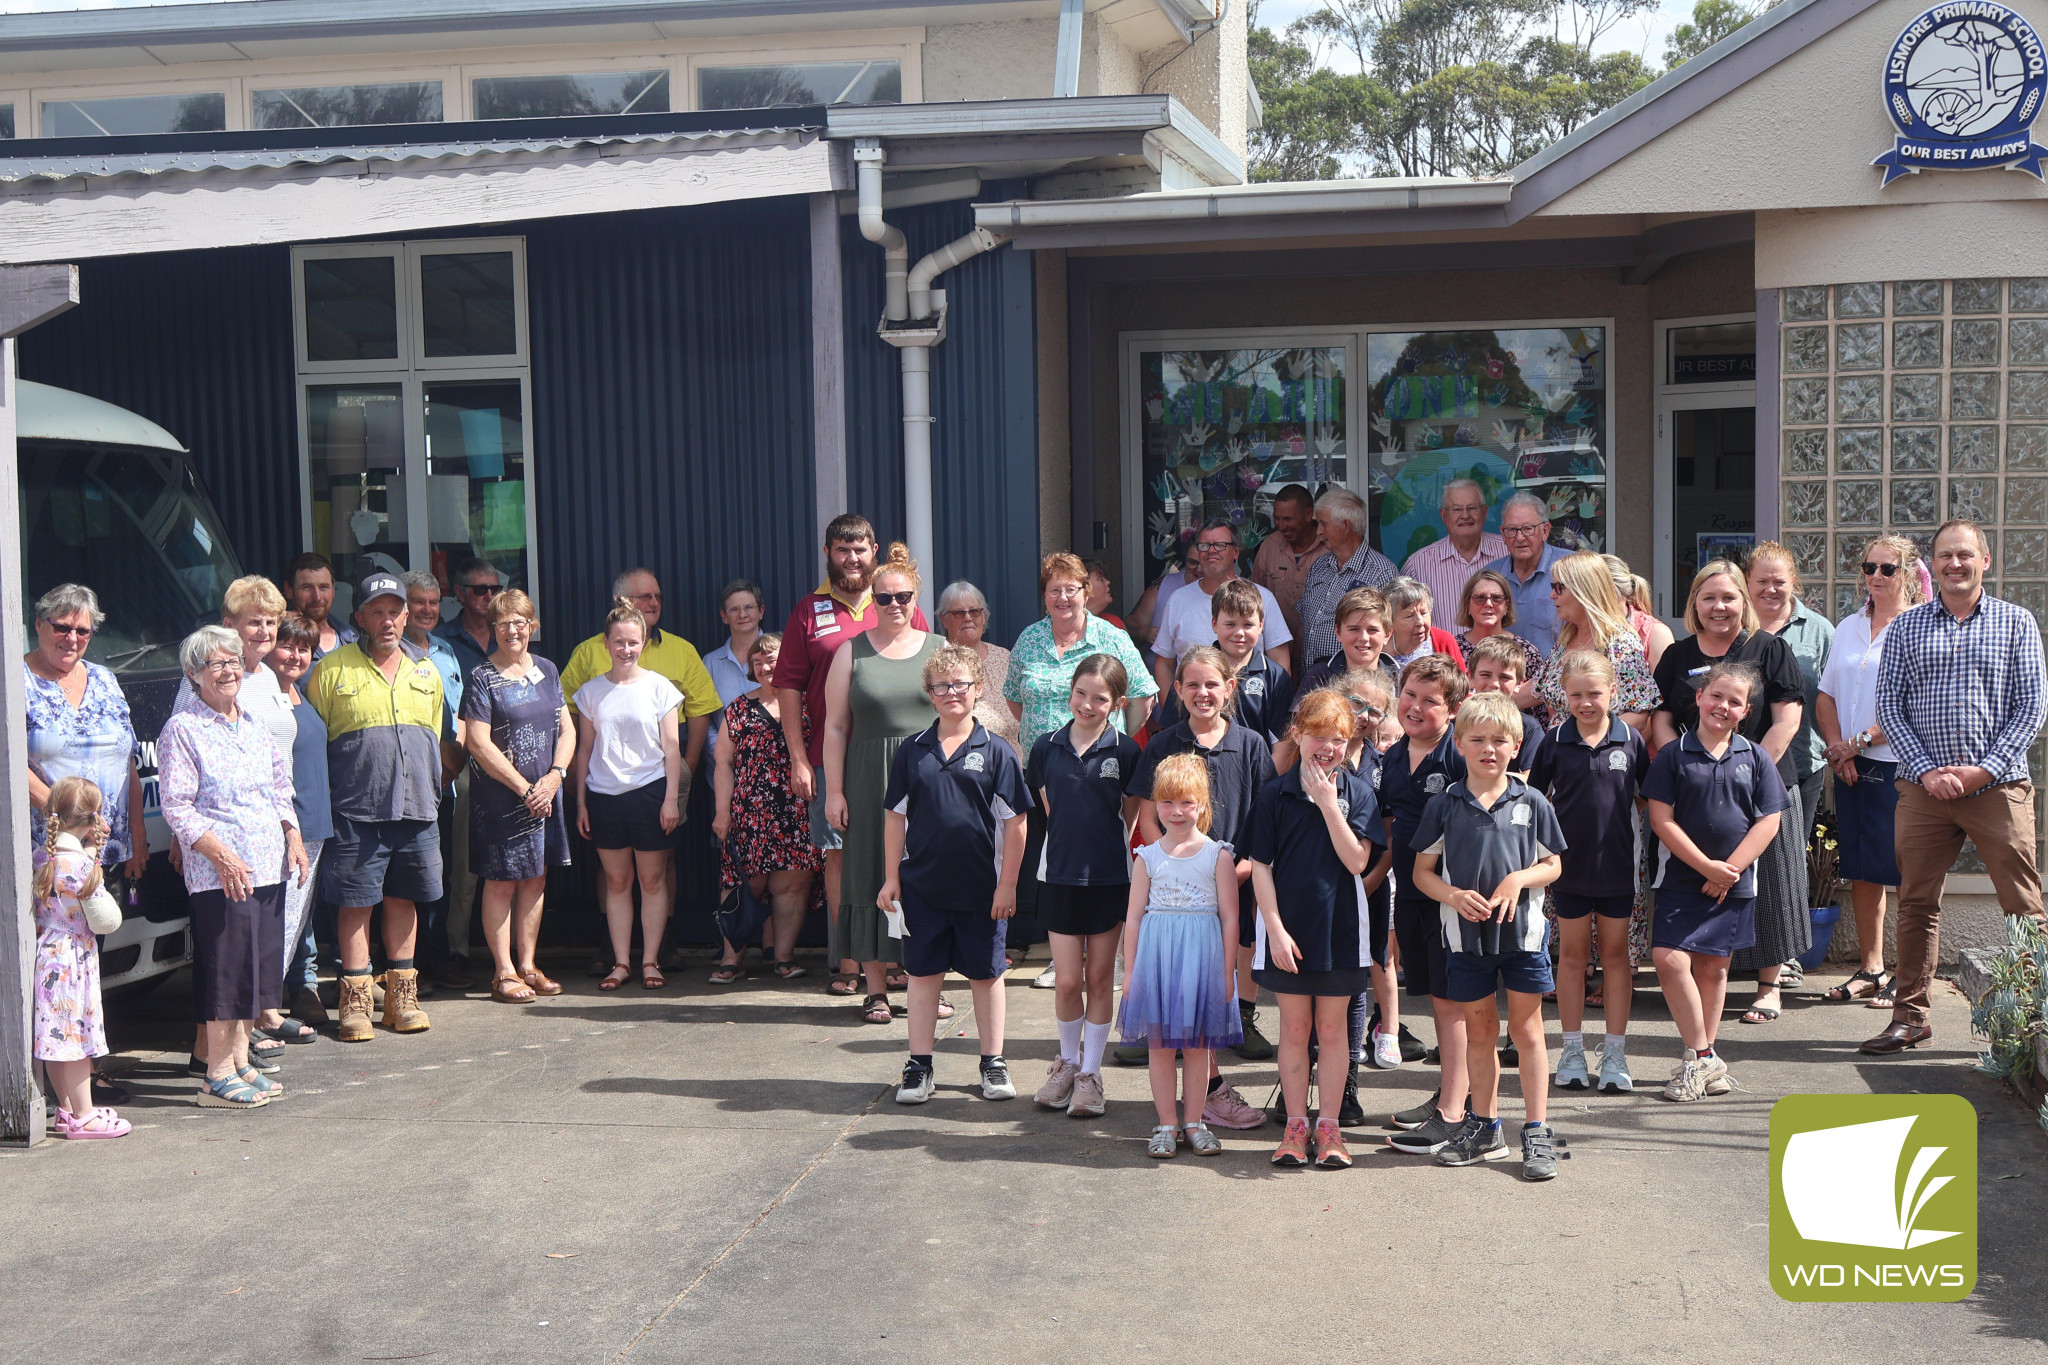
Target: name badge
x=823, y=629
x=822, y=607
x=1519, y=815
x=1617, y=760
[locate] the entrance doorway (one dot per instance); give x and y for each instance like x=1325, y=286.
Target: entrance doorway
x=1706, y=490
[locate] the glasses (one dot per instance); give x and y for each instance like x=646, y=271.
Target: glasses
x=1519, y=532
x=949, y=689
x=1888, y=570
x=643, y=597
x=1557, y=590
x=964, y=611
x=900, y=599
x=71, y=632
x=1367, y=709
x=518, y=623
x=1464, y=510
x=1487, y=599
x=1065, y=592
x=221, y=668
x=482, y=589
x=1215, y=547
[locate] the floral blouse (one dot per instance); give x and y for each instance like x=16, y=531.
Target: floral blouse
x=227, y=779
x=94, y=740
x=1041, y=678
x=1634, y=687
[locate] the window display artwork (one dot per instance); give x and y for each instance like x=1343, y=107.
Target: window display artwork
x=1513, y=409
x=1224, y=430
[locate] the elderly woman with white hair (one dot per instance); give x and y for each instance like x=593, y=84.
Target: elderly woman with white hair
x=226, y=790
x=1411, y=633
x=1351, y=563
x=963, y=615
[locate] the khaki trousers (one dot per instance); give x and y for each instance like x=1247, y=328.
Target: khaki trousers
x=1928, y=833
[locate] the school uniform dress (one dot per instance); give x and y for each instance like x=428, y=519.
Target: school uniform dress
x=1404, y=792
x=1180, y=994
x=1716, y=801
x=1265, y=700
x=1084, y=864
x=1593, y=788
x=1477, y=847
x=953, y=810
x=1321, y=902
x=1240, y=765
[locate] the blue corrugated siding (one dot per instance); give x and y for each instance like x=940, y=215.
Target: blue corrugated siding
x=984, y=395
x=199, y=342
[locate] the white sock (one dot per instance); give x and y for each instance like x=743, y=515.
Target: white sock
x=1070, y=1039
x=1575, y=1039
x=1615, y=1042
x=1097, y=1043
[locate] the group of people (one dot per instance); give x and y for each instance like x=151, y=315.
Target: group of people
x=1335, y=799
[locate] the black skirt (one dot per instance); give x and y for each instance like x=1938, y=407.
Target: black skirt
x=237, y=953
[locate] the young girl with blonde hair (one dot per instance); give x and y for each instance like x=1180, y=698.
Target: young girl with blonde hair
x=69, y=1028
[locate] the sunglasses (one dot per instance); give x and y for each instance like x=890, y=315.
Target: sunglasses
x=949, y=689
x=901, y=599
x=76, y=632
x=1888, y=570
x=1488, y=599
x=481, y=589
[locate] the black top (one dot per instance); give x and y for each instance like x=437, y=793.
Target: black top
x=1593, y=789
x=1533, y=744
x=1403, y=795
x=953, y=810
x=1265, y=700
x=1319, y=674
x=1716, y=801
x=1084, y=800
x=1239, y=765
x=1685, y=663
x=1320, y=900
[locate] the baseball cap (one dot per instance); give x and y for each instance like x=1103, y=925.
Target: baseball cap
x=375, y=585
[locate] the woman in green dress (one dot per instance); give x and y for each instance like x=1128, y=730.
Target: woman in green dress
x=874, y=700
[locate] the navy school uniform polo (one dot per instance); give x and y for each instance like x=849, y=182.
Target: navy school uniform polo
x=1477, y=848
x=1265, y=700
x=1239, y=766
x=953, y=810
x=1318, y=674
x=1321, y=901
x=1593, y=789
x=1084, y=798
x=1533, y=741
x=1403, y=795
x=1716, y=801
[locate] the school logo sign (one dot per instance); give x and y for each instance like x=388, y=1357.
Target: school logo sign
x=1873, y=1198
x=1963, y=84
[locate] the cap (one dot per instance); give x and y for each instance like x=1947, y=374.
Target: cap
x=376, y=585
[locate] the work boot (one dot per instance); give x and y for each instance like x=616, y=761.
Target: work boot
x=402, y=1012
x=354, y=1008
x=1256, y=1047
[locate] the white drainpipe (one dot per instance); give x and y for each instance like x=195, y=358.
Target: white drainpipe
x=913, y=321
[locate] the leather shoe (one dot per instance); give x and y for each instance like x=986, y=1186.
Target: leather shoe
x=1897, y=1037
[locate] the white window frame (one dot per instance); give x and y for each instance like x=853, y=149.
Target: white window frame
x=236, y=114
x=905, y=55
x=445, y=75
x=413, y=371
x=1671, y=398
x=24, y=111
x=572, y=65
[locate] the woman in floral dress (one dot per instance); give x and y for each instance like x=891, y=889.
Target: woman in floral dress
x=764, y=832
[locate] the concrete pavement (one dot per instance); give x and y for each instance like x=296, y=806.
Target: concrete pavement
x=721, y=1174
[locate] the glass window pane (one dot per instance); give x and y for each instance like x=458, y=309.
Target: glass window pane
x=1520, y=410
x=352, y=308
x=603, y=92
x=6, y=120
x=763, y=87
x=476, y=477
x=207, y=113
x=1718, y=353
x=1223, y=431
x=467, y=305
x=356, y=477
x=347, y=106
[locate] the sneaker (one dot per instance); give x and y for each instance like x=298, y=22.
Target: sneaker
x=918, y=1084
x=1202, y=1140
x=1330, y=1153
x=1045, y=980
x=1428, y=1136
x=1539, y=1152
x=1412, y=1049
x=1351, y=1114
x=1419, y=1115
x=1293, y=1148
x=1385, y=1051
x=1719, y=1082
x=1087, y=1102
x=1225, y=1108
x=1132, y=1054
x=1256, y=1047
x=1059, y=1085
x=995, y=1080
x=1475, y=1141
x=1614, y=1077
x=1571, y=1068
x=1689, y=1082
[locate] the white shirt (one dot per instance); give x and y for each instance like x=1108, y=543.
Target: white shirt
x=1187, y=623
x=626, y=754
x=1851, y=679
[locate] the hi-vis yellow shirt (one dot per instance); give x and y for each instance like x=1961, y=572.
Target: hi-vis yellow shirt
x=383, y=738
x=668, y=654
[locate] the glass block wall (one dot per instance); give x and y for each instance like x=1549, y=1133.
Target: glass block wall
x=1906, y=403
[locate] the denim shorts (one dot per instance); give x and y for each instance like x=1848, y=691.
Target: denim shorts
x=822, y=834
x=1474, y=976
x=367, y=861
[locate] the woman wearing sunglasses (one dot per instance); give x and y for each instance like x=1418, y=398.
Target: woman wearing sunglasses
x=874, y=700
x=1863, y=762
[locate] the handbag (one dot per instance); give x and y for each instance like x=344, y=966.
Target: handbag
x=102, y=911
x=740, y=915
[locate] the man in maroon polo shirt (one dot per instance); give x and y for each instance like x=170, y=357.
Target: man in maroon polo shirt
x=840, y=609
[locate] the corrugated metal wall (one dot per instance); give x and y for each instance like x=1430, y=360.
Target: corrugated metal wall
x=984, y=396
x=199, y=342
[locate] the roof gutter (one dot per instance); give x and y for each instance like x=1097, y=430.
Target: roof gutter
x=1162, y=117
x=1296, y=210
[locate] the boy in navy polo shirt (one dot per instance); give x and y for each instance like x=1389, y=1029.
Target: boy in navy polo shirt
x=1497, y=664
x=1265, y=691
x=1363, y=624
x=1485, y=849
x=1592, y=767
x=951, y=851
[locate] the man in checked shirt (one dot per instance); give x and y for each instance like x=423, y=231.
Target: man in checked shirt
x=1959, y=699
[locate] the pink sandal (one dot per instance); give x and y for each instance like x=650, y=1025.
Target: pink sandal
x=100, y=1123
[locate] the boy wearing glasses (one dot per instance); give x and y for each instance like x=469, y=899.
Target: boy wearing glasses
x=951, y=851
x=1190, y=615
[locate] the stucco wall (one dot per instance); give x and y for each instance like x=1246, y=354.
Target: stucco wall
x=1014, y=60
x=1210, y=78
x=1902, y=241
x=1802, y=135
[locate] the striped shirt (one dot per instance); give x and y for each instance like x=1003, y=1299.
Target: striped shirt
x=1961, y=693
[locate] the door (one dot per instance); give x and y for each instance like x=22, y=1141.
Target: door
x=1706, y=489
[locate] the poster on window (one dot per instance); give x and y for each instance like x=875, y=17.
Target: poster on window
x=1519, y=409
x=1224, y=430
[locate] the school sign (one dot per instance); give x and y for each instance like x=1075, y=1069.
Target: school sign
x=1963, y=84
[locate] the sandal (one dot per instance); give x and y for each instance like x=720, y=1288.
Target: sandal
x=843, y=983
x=618, y=976
x=293, y=1031
x=875, y=1009
x=728, y=972
x=1761, y=1014
x=895, y=978
x=540, y=983
x=1596, y=998
x=1847, y=990
x=1790, y=973
x=263, y=1084
x=946, y=1010
x=788, y=971
x=100, y=1122
x=1886, y=995
x=510, y=990
x=651, y=977
x=259, y=1037
x=231, y=1092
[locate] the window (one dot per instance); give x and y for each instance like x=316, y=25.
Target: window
x=124, y=115
x=6, y=120
x=347, y=106
x=603, y=92
x=413, y=399
x=1713, y=353
x=800, y=83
